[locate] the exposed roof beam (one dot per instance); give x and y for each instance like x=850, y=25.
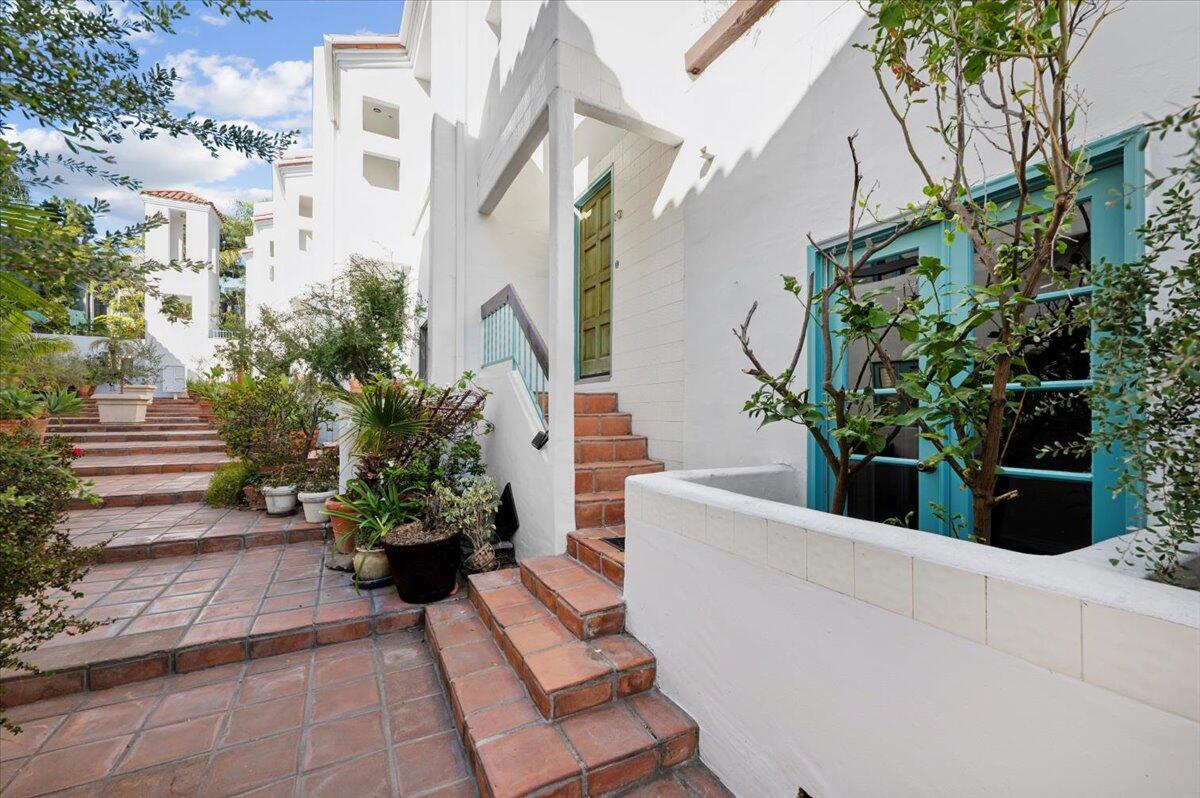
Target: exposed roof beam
x=736, y=20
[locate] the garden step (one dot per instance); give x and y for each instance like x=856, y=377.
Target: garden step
x=591, y=547
x=139, y=448
x=154, y=532
x=183, y=614
x=190, y=462
x=147, y=426
x=563, y=674
x=145, y=489
x=513, y=750
x=595, y=403
x=178, y=436
x=585, y=603
x=604, y=508
x=609, y=448
x=603, y=423
x=610, y=475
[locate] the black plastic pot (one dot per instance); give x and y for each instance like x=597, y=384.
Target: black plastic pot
x=425, y=572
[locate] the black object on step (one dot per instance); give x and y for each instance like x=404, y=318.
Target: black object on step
x=616, y=543
x=507, y=522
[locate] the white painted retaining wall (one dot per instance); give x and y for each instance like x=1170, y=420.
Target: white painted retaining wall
x=857, y=659
x=510, y=457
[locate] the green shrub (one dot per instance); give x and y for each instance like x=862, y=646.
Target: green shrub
x=225, y=488
x=38, y=564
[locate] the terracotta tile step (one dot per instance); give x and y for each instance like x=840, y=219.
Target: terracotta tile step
x=145, y=489
x=607, y=448
x=514, y=751
x=606, y=508
x=588, y=546
x=563, y=674
x=139, y=448
x=178, y=436
x=585, y=603
x=189, y=613
x=147, y=426
x=149, y=464
x=595, y=403
x=603, y=423
x=611, y=475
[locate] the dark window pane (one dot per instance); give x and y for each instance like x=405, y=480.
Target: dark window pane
x=1070, y=268
x=1047, y=418
x=1056, y=351
x=884, y=493
x=1047, y=517
x=862, y=363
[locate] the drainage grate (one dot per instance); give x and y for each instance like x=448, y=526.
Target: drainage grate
x=616, y=543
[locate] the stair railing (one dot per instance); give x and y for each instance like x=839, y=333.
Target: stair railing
x=510, y=335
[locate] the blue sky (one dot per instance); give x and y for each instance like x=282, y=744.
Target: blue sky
x=259, y=73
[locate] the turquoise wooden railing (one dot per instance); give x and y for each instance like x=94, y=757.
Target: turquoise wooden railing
x=510, y=335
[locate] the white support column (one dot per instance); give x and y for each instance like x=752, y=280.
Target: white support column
x=560, y=147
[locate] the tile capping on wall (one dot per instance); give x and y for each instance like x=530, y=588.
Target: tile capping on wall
x=1132, y=636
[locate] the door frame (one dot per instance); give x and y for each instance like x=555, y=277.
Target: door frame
x=605, y=178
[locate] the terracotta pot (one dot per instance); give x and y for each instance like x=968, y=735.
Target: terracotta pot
x=10, y=425
x=370, y=564
x=85, y=391
x=344, y=530
x=254, y=497
x=39, y=425
x=425, y=572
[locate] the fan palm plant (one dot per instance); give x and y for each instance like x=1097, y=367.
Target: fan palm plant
x=383, y=414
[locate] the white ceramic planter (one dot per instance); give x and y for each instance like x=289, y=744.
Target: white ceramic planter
x=314, y=506
x=144, y=391
x=281, y=500
x=370, y=564
x=121, y=408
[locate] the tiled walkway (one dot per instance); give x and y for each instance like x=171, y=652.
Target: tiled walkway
x=177, y=529
x=358, y=719
x=184, y=613
x=145, y=489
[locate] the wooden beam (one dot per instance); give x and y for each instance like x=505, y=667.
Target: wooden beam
x=736, y=20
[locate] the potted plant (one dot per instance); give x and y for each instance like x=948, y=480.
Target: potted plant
x=377, y=513
x=471, y=513
x=279, y=489
x=123, y=363
x=319, y=485
x=424, y=561
x=20, y=408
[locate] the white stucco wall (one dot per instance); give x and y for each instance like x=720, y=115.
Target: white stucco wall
x=856, y=659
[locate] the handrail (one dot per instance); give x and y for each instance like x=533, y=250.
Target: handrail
x=508, y=296
x=509, y=335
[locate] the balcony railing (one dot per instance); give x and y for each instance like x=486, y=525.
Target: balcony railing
x=510, y=335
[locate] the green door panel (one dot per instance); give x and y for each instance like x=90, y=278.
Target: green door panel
x=595, y=283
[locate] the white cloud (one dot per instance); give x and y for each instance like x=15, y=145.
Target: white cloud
x=162, y=162
x=229, y=85
x=215, y=19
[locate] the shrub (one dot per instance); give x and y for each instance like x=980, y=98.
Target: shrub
x=38, y=564
x=271, y=422
x=225, y=487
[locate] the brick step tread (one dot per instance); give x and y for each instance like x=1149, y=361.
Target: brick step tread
x=178, y=436
x=93, y=449
x=605, y=465
x=608, y=438
x=147, y=426
x=142, y=489
x=142, y=533
x=182, y=614
x=691, y=780
x=587, y=604
x=515, y=751
x=603, y=423
x=601, y=496
x=589, y=548
x=563, y=674
x=130, y=465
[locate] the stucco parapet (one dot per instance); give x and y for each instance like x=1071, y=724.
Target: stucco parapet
x=1134, y=636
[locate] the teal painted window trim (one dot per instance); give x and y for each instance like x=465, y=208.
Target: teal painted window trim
x=1111, y=515
x=597, y=184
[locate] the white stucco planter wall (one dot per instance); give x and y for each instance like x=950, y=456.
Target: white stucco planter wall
x=857, y=659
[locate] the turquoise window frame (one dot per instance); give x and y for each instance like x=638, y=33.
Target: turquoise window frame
x=1119, y=165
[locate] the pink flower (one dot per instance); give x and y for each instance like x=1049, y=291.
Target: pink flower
x=76, y=451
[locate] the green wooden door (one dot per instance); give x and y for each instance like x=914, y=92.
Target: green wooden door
x=595, y=283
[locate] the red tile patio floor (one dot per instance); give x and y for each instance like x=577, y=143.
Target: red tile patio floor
x=184, y=613
x=366, y=718
x=178, y=529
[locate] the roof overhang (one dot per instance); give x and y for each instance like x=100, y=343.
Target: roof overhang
x=369, y=51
